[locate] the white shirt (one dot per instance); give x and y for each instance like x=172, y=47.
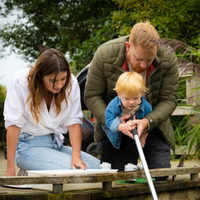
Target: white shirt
x=15, y=113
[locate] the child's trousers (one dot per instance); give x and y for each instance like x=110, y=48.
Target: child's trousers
x=156, y=151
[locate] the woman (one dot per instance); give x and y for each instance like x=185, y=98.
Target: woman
x=42, y=103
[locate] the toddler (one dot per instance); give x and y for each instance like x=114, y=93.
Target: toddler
x=130, y=89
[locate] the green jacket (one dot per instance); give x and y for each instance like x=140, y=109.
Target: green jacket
x=162, y=84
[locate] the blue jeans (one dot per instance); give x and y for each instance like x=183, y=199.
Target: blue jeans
x=43, y=153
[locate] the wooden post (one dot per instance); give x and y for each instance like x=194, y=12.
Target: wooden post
x=57, y=188
x=194, y=177
x=107, y=186
x=191, y=96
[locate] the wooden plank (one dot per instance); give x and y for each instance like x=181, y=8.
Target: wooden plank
x=97, y=177
x=107, y=186
x=190, y=94
x=190, y=91
x=57, y=188
x=176, y=190
x=185, y=149
x=188, y=73
x=182, y=110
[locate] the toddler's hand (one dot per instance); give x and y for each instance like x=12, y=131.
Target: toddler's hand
x=129, y=125
x=124, y=118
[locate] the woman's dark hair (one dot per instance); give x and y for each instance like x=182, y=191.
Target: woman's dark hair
x=50, y=61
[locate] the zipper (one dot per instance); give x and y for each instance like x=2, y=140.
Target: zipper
x=122, y=70
x=151, y=74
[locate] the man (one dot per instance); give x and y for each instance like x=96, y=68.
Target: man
x=140, y=53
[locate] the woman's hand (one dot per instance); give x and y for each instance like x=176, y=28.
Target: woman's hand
x=12, y=140
x=10, y=172
x=75, y=136
x=78, y=162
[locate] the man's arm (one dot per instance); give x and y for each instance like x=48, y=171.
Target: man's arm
x=168, y=95
x=95, y=88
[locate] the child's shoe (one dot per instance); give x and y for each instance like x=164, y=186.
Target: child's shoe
x=130, y=167
x=105, y=166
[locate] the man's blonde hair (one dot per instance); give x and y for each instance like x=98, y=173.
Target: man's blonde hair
x=131, y=84
x=143, y=34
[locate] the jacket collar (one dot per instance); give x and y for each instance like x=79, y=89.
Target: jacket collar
x=142, y=104
x=118, y=63
x=156, y=61
x=121, y=56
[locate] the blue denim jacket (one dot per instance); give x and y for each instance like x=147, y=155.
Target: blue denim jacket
x=113, y=111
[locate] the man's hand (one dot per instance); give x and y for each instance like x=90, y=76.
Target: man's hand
x=141, y=125
x=126, y=127
x=143, y=138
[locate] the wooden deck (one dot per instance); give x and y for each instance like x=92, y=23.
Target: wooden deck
x=185, y=186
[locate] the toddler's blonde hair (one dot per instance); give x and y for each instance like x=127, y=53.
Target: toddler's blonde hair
x=131, y=84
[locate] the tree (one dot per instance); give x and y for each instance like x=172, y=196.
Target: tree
x=85, y=51
x=60, y=24
x=80, y=26
x=2, y=93
x=176, y=19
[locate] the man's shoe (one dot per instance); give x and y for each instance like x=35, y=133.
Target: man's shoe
x=130, y=167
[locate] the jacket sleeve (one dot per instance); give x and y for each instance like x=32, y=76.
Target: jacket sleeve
x=112, y=120
x=167, y=94
x=95, y=88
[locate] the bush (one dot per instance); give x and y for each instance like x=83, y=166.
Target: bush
x=2, y=129
x=189, y=64
x=2, y=93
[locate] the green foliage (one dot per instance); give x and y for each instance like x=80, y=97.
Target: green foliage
x=80, y=26
x=2, y=129
x=180, y=131
x=85, y=51
x=2, y=93
x=187, y=128
x=178, y=19
x=59, y=24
